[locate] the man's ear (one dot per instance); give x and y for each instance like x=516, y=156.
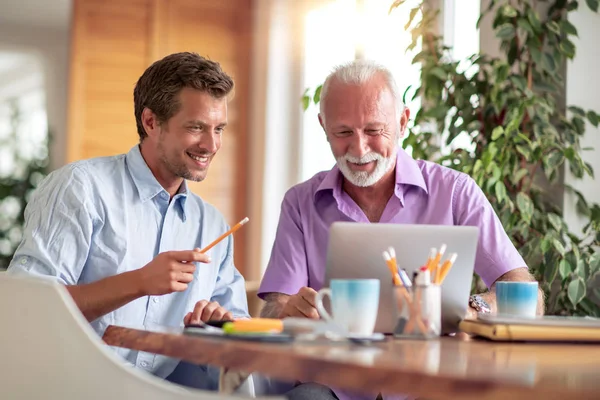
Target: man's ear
x=404, y=120
x=322, y=123
x=150, y=122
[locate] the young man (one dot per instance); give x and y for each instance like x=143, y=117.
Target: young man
x=123, y=233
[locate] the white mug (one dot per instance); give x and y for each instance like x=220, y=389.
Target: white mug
x=354, y=304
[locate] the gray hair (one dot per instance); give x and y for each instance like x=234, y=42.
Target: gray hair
x=358, y=72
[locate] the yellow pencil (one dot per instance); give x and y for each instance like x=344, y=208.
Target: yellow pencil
x=223, y=236
x=445, y=269
x=393, y=269
x=429, y=263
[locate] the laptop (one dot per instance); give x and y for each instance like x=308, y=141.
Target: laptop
x=355, y=251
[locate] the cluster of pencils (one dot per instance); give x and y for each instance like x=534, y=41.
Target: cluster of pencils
x=438, y=272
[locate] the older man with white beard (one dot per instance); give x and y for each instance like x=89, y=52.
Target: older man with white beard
x=374, y=181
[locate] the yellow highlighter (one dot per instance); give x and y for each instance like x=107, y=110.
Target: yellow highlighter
x=254, y=325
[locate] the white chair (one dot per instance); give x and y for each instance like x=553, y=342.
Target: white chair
x=49, y=351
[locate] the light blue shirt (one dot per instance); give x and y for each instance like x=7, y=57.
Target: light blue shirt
x=100, y=217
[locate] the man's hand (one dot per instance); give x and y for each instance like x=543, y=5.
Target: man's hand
x=205, y=311
x=169, y=272
x=302, y=304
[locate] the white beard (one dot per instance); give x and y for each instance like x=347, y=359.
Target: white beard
x=364, y=178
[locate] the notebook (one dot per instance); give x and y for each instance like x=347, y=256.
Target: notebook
x=540, y=329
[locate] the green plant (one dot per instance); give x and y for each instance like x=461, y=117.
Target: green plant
x=520, y=137
x=17, y=185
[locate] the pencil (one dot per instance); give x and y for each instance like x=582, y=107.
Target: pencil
x=392, y=267
x=432, y=253
x=445, y=269
x=223, y=236
x=438, y=257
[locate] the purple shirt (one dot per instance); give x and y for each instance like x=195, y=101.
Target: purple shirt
x=425, y=193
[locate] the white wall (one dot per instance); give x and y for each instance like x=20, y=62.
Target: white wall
x=51, y=45
x=583, y=88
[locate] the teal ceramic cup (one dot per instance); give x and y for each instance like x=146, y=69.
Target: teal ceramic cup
x=354, y=304
x=517, y=299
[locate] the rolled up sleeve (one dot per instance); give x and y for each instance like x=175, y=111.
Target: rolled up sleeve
x=287, y=270
x=496, y=254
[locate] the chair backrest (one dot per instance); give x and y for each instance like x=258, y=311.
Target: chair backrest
x=48, y=350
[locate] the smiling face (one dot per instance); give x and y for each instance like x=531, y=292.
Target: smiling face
x=363, y=129
x=185, y=144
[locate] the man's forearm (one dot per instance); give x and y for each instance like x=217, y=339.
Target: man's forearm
x=99, y=298
x=275, y=302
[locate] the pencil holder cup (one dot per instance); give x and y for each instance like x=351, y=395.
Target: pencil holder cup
x=419, y=310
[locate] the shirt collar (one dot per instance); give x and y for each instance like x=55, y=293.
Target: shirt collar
x=407, y=173
x=145, y=181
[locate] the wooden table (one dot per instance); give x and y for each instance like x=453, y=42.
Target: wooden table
x=441, y=369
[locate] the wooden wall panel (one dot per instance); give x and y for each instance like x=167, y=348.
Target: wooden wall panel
x=114, y=41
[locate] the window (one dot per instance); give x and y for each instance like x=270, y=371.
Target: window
x=462, y=35
x=23, y=139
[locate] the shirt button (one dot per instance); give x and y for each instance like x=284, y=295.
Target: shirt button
x=144, y=364
x=23, y=260
x=164, y=196
x=155, y=299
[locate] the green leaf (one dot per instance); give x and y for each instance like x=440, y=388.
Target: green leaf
x=593, y=118
x=317, y=96
x=589, y=169
x=524, y=150
x=525, y=205
x=569, y=153
x=439, y=73
x=594, y=262
x=567, y=47
x=577, y=110
x=592, y=4
x=559, y=246
x=554, y=27
x=551, y=269
x=576, y=290
x=590, y=308
x=396, y=4
x=545, y=245
x=556, y=221
x=534, y=20
x=536, y=55
x=506, y=31
x=564, y=268
x=497, y=132
x=568, y=27
x=573, y=5
x=509, y=11
x=548, y=62
x=525, y=25
x=305, y=102
x=554, y=159
x=581, y=270
x=520, y=175
x=411, y=17
x=500, y=190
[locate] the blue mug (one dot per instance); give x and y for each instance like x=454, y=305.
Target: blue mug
x=354, y=304
x=517, y=298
